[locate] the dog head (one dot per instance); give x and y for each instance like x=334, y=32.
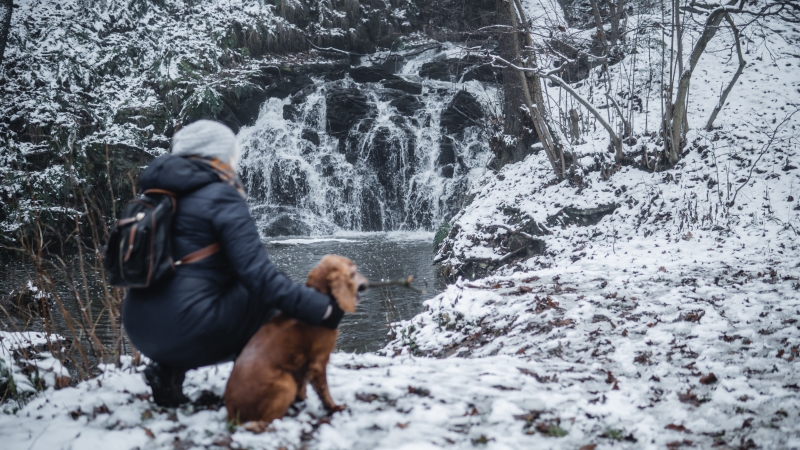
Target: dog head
x=338, y=276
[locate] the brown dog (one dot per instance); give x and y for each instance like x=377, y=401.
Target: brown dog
x=285, y=354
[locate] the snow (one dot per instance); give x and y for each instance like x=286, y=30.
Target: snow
x=16, y=372
x=608, y=338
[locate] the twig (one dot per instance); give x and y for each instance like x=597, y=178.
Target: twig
x=763, y=150
x=405, y=282
x=334, y=50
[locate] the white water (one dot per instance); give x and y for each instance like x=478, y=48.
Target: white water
x=392, y=180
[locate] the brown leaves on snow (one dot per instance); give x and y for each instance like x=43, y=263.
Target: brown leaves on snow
x=708, y=379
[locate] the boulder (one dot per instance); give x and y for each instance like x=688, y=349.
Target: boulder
x=406, y=104
x=289, y=185
x=460, y=70
x=370, y=74
x=403, y=85
x=287, y=224
x=310, y=135
x=345, y=108
x=463, y=111
x=392, y=63
x=371, y=217
x=448, y=171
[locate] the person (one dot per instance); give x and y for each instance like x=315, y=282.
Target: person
x=206, y=313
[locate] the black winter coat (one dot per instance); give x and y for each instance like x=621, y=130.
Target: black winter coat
x=208, y=311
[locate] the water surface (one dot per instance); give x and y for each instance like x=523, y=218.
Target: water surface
x=378, y=256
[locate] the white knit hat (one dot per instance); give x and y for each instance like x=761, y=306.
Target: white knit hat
x=208, y=139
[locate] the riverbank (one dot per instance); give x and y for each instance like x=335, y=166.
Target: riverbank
x=556, y=358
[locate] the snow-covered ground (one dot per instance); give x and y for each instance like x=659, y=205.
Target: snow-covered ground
x=608, y=339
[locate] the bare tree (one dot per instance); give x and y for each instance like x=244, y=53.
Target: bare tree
x=6, y=8
x=525, y=63
x=676, y=117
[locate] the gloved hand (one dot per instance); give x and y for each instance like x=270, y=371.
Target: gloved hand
x=332, y=320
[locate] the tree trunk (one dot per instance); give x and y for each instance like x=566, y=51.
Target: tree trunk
x=531, y=86
x=598, y=22
x=6, y=7
x=677, y=131
x=574, y=126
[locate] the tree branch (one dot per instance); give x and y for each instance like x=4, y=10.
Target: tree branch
x=763, y=150
x=727, y=90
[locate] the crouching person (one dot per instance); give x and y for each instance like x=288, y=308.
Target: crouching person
x=206, y=313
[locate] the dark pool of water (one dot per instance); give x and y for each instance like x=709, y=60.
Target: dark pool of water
x=378, y=256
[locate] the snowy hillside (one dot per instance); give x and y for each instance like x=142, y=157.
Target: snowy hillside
x=620, y=308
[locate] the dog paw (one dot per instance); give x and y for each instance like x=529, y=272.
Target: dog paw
x=336, y=408
x=256, y=426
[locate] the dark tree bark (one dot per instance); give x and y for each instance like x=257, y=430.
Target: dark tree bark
x=6, y=7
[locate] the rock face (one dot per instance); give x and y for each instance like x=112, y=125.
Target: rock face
x=345, y=108
x=522, y=241
x=462, y=112
x=287, y=224
x=460, y=70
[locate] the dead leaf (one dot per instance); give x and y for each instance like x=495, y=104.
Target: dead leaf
x=422, y=392
x=587, y=447
x=674, y=427
x=402, y=426
x=709, y=379
x=149, y=433
x=691, y=316
x=690, y=398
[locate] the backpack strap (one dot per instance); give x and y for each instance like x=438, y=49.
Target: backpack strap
x=164, y=192
x=198, y=255
x=195, y=256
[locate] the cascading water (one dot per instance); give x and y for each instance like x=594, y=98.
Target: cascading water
x=365, y=152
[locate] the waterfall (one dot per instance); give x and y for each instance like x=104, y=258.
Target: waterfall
x=369, y=151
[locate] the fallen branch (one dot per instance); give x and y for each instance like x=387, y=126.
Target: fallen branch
x=615, y=140
x=333, y=50
x=510, y=230
x=405, y=282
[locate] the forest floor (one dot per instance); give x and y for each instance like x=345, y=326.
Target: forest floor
x=673, y=322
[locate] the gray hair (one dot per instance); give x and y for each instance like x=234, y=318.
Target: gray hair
x=206, y=138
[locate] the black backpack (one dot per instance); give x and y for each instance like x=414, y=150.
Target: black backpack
x=139, y=250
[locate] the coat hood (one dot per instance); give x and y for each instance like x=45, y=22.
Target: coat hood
x=177, y=174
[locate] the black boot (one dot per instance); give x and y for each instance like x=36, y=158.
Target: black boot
x=166, y=383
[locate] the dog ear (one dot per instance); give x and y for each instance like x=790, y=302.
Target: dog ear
x=316, y=279
x=343, y=289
